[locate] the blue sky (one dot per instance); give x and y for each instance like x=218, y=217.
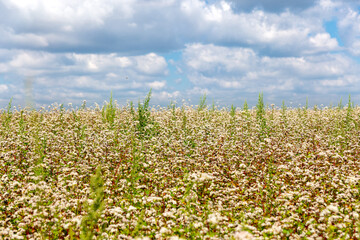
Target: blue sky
x=67, y=51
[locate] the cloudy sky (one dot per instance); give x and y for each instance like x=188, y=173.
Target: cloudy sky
x=67, y=51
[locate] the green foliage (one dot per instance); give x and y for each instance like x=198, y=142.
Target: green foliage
x=62, y=111
x=349, y=111
x=350, y=105
x=172, y=107
x=184, y=118
x=108, y=112
x=76, y=117
x=202, y=103
x=22, y=122
x=39, y=170
x=132, y=109
x=260, y=116
x=260, y=113
x=340, y=105
x=246, y=112
x=232, y=111
x=213, y=106
x=8, y=110
x=83, y=105
x=94, y=210
x=283, y=112
x=246, y=107
x=8, y=115
x=145, y=124
x=233, y=119
x=143, y=116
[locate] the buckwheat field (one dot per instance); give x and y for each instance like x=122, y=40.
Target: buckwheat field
x=181, y=172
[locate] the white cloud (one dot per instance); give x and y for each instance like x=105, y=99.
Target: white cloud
x=22, y=39
x=214, y=58
x=198, y=91
x=26, y=59
x=324, y=41
x=151, y=64
x=310, y=67
x=100, y=62
x=93, y=46
x=27, y=63
x=165, y=96
x=283, y=33
x=272, y=6
x=3, y=88
x=229, y=68
x=74, y=72
x=349, y=29
x=217, y=13
x=157, y=85
x=131, y=26
x=66, y=11
x=328, y=4
x=355, y=47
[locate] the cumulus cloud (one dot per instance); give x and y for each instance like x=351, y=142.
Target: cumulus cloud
x=283, y=33
x=140, y=27
x=157, y=85
x=349, y=29
x=355, y=47
x=272, y=6
x=3, y=88
x=91, y=26
x=112, y=64
x=323, y=41
x=59, y=73
x=151, y=64
x=165, y=96
x=217, y=67
x=75, y=49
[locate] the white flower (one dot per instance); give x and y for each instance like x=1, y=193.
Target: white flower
x=289, y=145
x=175, y=238
x=243, y=235
x=66, y=225
x=324, y=212
x=131, y=208
x=201, y=177
x=16, y=236
x=276, y=228
x=77, y=220
x=322, y=154
x=169, y=214
x=152, y=199
x=4, y=178
x=198, y=224
x=268, y=140
x=333, y=208
x=214, y=218
x=355, y=215
x=164, y=230
x=117, y=211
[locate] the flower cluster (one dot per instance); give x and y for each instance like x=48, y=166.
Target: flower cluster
x=188, y=174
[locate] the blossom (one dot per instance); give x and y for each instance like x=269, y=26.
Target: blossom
x=243, y=235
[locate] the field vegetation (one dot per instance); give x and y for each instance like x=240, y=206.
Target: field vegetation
x=180, y=172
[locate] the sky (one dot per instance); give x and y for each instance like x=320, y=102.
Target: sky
x=68, y=51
